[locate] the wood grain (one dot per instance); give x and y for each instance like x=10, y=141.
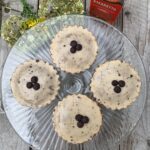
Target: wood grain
x=136, y=25
x=16, y=10
x=9, y=140
x=135, y=22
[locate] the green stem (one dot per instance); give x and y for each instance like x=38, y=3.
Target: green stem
x=28, y=10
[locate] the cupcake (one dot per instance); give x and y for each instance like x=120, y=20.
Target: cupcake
x=35, y=83
x=115, y=84
x=77, y=119
x=74, y=49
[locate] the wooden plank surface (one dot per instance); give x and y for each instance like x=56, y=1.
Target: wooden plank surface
x=136, y=25
x=9, y=140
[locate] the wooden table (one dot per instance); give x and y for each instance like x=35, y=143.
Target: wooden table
x=134, y=22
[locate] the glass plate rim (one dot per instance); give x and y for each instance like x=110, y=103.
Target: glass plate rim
x=101, y=21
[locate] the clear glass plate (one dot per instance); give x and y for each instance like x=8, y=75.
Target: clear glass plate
x=34, y=125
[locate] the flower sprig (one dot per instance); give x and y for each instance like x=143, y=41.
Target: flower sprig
x=15, y=26
x=28, y=10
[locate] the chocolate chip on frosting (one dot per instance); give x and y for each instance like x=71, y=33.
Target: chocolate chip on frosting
x=37, y=60
x=131, y=76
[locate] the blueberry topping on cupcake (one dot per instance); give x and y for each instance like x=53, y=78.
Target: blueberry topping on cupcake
x=80, y=124
x=81, y=120
x=29, y=85
x=34, y=79
x=118, y=85
x=79, y=47
x=75, y=46
x=33, y=84
x=115, y=83
x=122, y=83
x=117, y=89
x=73, y=43
x=36, y=86
x=73, y=50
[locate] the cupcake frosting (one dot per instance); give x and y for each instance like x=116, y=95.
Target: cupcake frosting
x=77, y=119
x=74, y=49
x=116, y=84
x=35, y=83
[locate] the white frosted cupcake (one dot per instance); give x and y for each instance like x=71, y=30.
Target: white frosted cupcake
x=116, y=84
x=77, y=119
x=35, y=83
x=74, y=49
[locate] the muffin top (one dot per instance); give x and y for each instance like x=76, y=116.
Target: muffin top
x=35, y=83
x=74, y=49
x=77, y=119
x=116, y=84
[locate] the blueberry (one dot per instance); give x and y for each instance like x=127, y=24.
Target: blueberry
x=79, y=117
x=79, y=47
x=117, y=89
x=29, y=85
x=73, y=43
x=85, y=119
x=80, y=124
x=115, y=83
x=34, y=79
x=122, y=83
x=73, y=50
x=36, y=86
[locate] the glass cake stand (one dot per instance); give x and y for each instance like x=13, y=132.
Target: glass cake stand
x=34, y=125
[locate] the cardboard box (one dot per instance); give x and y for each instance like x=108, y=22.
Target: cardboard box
x=107, y=10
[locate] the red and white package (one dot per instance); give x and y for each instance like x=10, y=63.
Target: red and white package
x=107, y=10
